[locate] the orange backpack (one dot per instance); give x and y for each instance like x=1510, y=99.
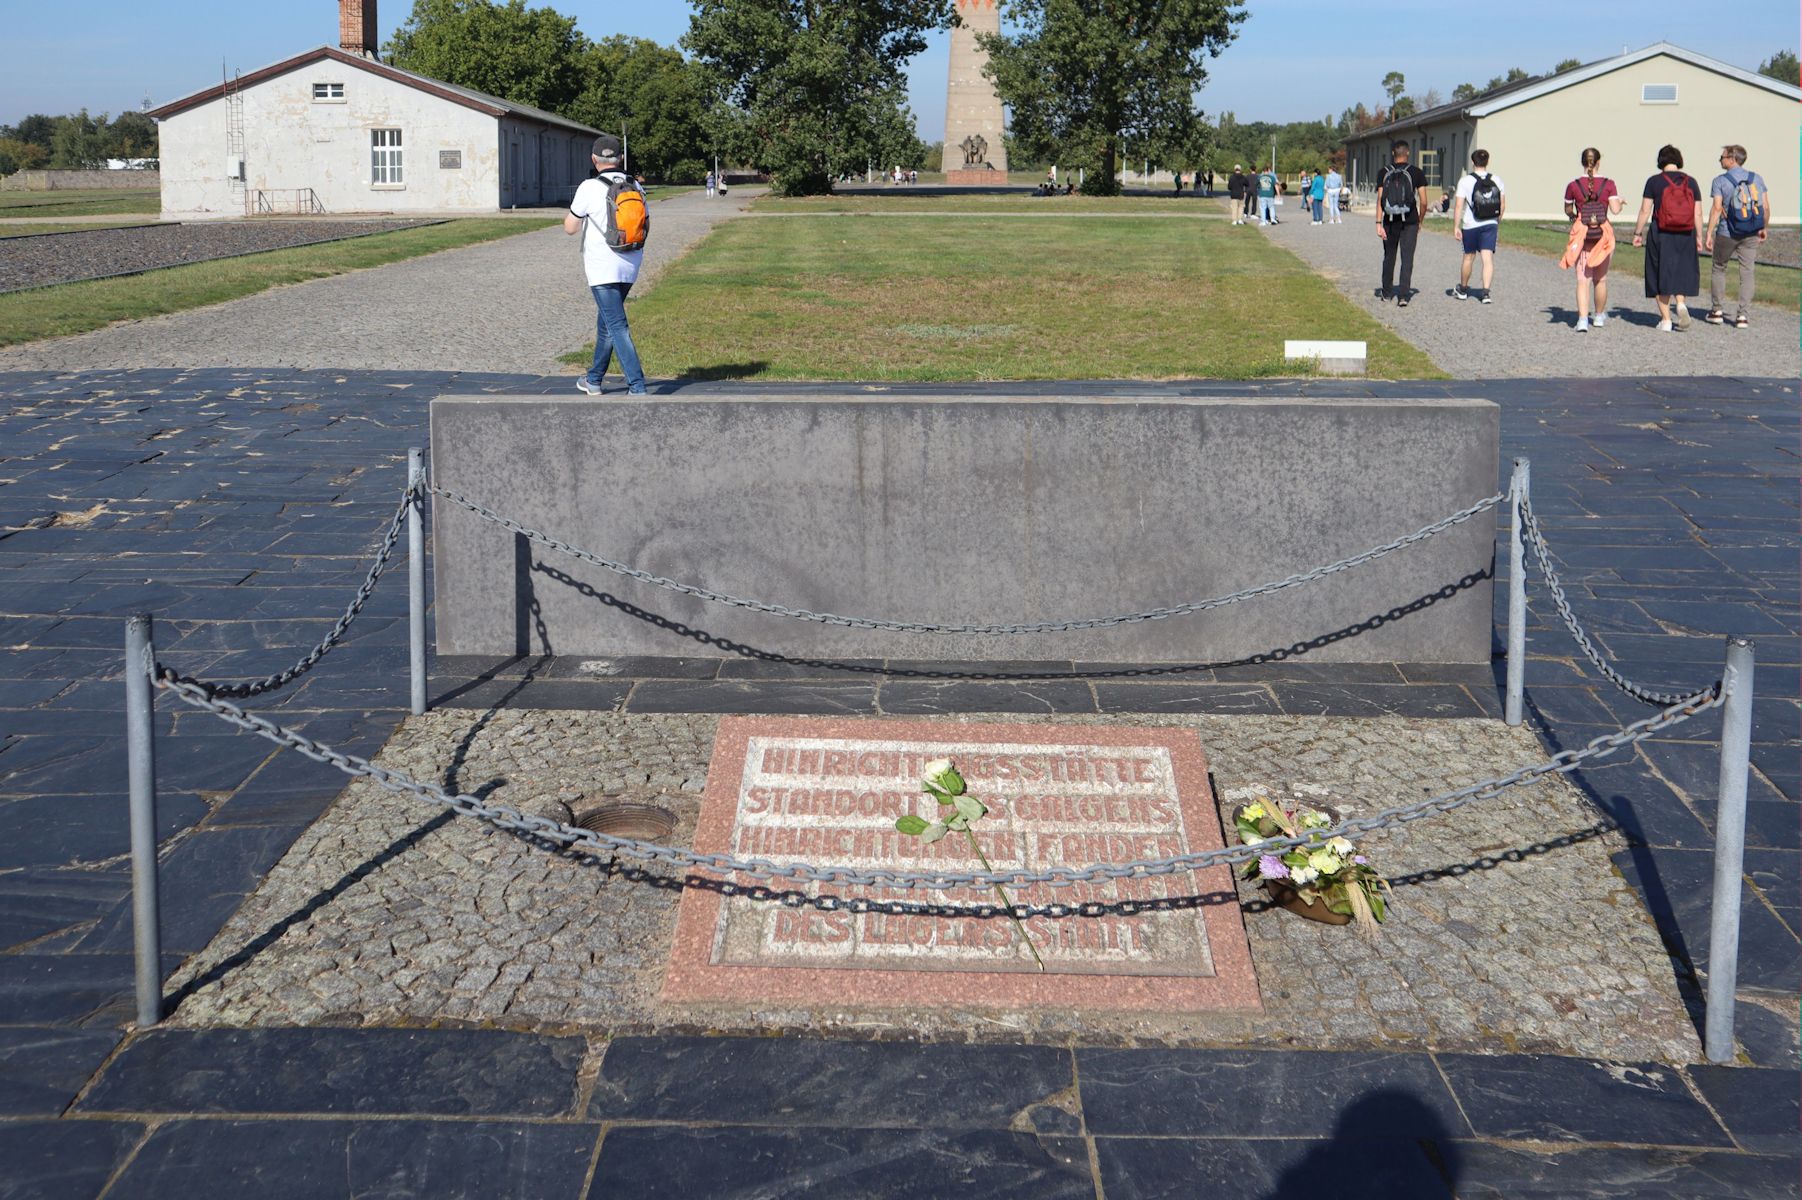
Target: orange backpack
x=628, y=224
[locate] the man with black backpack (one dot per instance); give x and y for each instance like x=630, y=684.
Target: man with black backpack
x=1742, y=206
x=1477, y=213
x=1401, y=199
x=611, y=214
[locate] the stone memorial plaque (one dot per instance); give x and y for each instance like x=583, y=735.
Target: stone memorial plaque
x=829, y=792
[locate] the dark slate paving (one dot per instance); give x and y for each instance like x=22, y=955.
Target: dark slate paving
x=721, y=696
x=202, y=882
x=1489, y=1172
x=1761, y=1109
x=814, y=1164
x=1529, y=1097
x=1300, y=1093
x=789, y=1081
x=67, y=989
x=935, y=699
x=42, y=1069
x=301, y=1160
x=62, y=1160
x=53, y=830
x=1262, y=1169
x=1677, y=888
x=37, y=902
x=444, y=1072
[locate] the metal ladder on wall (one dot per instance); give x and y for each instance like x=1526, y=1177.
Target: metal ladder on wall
x=234, y=139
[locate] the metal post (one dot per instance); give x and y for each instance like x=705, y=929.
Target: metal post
x=140, y=749
x=1729, y=850
x=416, y=574
x=1517, y=593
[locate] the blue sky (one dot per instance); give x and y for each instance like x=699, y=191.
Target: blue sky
x=1293, y=59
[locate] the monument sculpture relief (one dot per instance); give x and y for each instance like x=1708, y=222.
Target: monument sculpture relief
x=973, y=121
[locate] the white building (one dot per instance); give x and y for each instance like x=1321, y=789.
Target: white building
x=333, y=130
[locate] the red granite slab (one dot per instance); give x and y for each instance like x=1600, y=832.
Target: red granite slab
x=1057, y=793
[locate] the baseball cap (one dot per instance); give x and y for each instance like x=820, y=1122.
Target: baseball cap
x=607, y=148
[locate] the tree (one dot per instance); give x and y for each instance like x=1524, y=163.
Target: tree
x=1082, y=75
x=818, y=83
x=1781, y=66
x=1514, y=75
x=658, y=96
x=1430, y=99
x=16, y=155
x=1567, y=64
x=528, y=55
x=1463, y=92
x=1404, y=108
x=36, y=129
x=1394, y=85
x=78, y=142
x=131, y=135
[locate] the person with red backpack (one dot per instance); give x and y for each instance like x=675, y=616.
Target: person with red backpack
x=1670, y=228
x=1590, y=200
x=614, y=219
x=1742, y=209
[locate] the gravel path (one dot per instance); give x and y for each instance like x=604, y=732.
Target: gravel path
x=39, y=262
x=1527, y=332
x=511, y=305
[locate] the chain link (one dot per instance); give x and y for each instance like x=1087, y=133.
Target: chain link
x=244, y=691
x=802, y=614
x=504, y=817
x=1645, y=695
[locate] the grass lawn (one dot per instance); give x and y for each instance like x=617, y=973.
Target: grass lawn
x=975, y=299
x=1776, y=286
x=80, y=202
x=903, y=201
x=78, y=307
x=25, y=228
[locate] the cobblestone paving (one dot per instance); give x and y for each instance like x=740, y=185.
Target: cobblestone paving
x=1550, y=952
x=88, y=255
x=1528, y=332
x=511, y=305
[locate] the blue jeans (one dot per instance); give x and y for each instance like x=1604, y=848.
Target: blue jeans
x=611, y=334
x=1319, y=204
x=1266, y=209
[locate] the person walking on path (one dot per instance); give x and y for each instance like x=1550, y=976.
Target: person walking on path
x=1668, y=226
x=1401, y=199
x=1207, y=181
x=610, y=213
x=1477, y=213
x=710, y=184
x=1334, y=181
x=1736, y=225
x=1267, y=198
x=1235, y=193
x=1317, y=196
x=1589, y=201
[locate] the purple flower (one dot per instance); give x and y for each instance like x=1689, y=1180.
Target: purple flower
x=1359, y=859
x=1271, y=867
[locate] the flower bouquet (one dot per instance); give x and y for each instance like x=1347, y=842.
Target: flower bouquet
x=1323, y=871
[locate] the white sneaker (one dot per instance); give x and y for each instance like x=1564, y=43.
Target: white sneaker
x=1664, y=327
x=1582, y=324
x=1600, y=320
x=587, y=388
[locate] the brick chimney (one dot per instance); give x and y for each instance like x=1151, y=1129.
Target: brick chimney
x=357, y=33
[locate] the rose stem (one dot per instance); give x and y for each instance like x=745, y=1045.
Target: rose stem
x=1005, y=902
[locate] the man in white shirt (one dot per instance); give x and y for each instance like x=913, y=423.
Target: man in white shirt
x=610, y=272
x=1477, y=212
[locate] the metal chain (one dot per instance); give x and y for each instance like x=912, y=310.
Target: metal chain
x=243, y=691
x=1645, y=695
x=502, y=816
x=802, y=614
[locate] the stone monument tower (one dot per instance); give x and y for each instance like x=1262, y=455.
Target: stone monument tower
x=974, y=151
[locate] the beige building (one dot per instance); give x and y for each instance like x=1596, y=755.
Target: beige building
x=1627, y=107
x=333, y=130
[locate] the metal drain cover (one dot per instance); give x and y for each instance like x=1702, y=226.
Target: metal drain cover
x=627, y=819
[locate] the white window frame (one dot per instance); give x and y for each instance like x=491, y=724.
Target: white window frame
x=386, y=165
x=1645, y=87
x=327, y=92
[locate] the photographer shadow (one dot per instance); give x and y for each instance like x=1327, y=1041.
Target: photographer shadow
x=1387, y=1143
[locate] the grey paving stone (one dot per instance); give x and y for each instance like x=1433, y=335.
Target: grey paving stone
x=763, y=1081
x=773, y=696
x=1262, y=1169
x=1490, y=1172
x=1175, y=1093
x=1538, y=1098
x=62, y=1160
x=301, y=1160
x=814, y=1164
x=1185, y=698
x=1762, y=1109
x=1375, y=700
x=441, y=1072
x=41, y=1069
x=910, y=697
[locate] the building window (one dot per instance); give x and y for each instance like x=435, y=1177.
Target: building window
x=326, y=93
x=384, y=158
x=1658, y=93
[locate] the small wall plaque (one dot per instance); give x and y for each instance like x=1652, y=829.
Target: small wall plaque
x=450, y=160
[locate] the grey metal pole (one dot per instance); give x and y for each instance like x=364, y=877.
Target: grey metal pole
x=140, y=749
x=1729, y=850
x=416, y=575
x=1517, y=593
